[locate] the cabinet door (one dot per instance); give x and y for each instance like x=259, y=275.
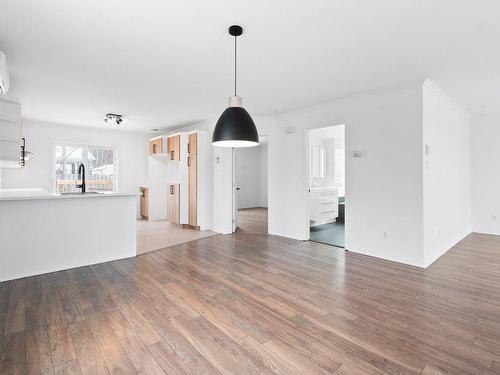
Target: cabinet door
x=155, y=146
x=173, y=203
x=192, y=179
x=173, y=147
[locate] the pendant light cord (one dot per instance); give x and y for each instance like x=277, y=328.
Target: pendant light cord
x=235, y=65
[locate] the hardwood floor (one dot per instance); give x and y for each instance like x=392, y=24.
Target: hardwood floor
x=159, y=234
x=256, y=304
x=252, y=220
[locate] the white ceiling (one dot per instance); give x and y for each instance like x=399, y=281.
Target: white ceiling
x=164, y=63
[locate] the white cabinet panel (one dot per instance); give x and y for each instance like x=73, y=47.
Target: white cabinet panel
x=10, y=131
x=323, y=205
x=10, y=150
x=10, y=111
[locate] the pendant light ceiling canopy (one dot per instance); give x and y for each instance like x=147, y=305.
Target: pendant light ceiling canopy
x=235, y=127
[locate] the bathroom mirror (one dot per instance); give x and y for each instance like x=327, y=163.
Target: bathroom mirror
x=317, y=162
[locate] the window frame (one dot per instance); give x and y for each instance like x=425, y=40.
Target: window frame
x=85, y=147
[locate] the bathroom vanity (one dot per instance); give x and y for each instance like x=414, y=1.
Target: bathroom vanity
x=323, y=205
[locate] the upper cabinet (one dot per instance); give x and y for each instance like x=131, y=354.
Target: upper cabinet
x=173, y=147
x=169, y=149
x=156, y=146
x=10, y=132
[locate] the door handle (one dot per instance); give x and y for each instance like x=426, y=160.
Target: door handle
x=238, y=188
x=189, y=161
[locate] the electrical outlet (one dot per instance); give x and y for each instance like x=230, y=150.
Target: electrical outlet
x=386, y=235
x=493, y=217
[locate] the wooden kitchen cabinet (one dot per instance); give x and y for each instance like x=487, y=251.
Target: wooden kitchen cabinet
x=192, y=179
x=173, y=203
x=144, y=202
x=173, y=147
x=156, y=146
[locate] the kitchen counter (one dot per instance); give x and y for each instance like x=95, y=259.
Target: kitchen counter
x=46, y=232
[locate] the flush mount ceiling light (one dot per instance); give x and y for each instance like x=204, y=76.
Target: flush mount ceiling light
x=235, y=127
x=113, y=117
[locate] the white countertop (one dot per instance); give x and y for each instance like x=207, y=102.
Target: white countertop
x=37, y=194
x=320, y=189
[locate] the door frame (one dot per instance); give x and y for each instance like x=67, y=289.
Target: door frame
x=308, y=173
x=235, y=185
x=234, y=195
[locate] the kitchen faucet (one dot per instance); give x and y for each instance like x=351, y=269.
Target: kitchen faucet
x=81, y=172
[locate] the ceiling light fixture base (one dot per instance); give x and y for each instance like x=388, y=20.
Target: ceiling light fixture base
x=113, y=118
x=235, y=30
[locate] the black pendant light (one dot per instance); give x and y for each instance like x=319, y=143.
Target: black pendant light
x=235, y=127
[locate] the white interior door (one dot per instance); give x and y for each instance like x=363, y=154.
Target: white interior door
x=235, y=192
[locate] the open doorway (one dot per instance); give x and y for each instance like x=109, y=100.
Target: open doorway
x=327, y=185
x=251, y=187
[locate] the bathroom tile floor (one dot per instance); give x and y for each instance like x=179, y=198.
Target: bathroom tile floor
x=330, y=234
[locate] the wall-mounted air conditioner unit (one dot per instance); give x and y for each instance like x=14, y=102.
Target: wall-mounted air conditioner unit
x=4, y=75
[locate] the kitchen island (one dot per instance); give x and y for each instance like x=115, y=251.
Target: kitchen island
x=45, y=233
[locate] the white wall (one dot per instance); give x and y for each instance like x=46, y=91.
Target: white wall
x=447, y=173
x=263, y=172
x=251, y=176
x=383, y=187
x=247, y=176
x=485, y=174
x=131, y=148
x=158, y=171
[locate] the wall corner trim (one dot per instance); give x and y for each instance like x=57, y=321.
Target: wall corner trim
x=428, y=84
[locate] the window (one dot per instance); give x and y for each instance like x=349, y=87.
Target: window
x=99, y=167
